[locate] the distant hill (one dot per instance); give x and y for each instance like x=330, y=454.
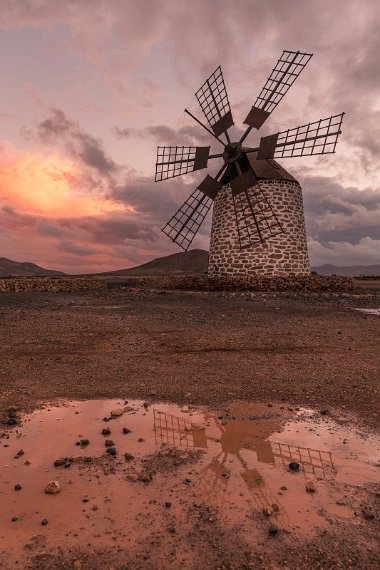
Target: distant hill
x=353, y=271
x=9, y=268
x=190, y=262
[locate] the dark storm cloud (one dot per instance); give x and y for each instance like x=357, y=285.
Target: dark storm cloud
x=337, y=213
x=56, y=126
x=81, y=146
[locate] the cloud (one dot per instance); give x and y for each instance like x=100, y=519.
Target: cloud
x=70, y=246
x=161, y=134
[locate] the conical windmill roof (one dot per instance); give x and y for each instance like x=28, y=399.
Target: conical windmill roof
x=269, y=169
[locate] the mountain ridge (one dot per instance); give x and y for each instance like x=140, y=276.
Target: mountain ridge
x=10, y=268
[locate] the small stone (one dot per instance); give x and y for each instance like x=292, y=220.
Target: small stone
x=144, y=477
x=132, y=477
x=106, y=431
x=126, y=430
x=167, y=504
x=283, y=488
x=294, y=466
x=18, y=487
x=14, y=519
x=111, y=450
x=94, y=507
x=44, y=522
x=324, y=412
x=185, y=409
x=116, y=413
x=273, y=530
x=109, y=443
x=106, y=419
x=368, y=514
x=84, y=442
x=128, y=456
x=275, y=507
x=141, y=439
x=310, y=487
x=52, y=488
x=62, y=461
x=85, y=499
x=267, y=511
x=27, y=462
x=270, y=405
x=20, y=452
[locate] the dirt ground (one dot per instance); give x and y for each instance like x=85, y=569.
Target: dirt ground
x=196, y=348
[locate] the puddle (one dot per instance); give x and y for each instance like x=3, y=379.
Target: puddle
x=188, y=465
x=369, y=311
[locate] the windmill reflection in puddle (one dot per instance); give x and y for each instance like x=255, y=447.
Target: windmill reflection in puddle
x=243, y=444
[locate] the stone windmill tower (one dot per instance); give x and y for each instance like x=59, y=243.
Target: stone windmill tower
x=258, y=225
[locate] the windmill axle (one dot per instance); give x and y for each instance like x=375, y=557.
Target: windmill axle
x=232, y=152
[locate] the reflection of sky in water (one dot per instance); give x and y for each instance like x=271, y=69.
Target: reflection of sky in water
x=242, y=470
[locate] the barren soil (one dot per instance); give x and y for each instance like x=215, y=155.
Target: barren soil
x=196, y=348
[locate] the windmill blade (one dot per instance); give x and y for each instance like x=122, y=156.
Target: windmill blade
x=213, y=99
x=177, y=160
x=185, y=223
x=284, y=74
x=255, y=219
x=320, y=137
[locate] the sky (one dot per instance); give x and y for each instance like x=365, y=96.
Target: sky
x=91, y=87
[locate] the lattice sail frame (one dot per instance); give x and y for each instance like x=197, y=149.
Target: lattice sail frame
x=213, y=99
x=320, y=137
x=185, y=223
x=175, y=161
x=256, y=221
x=284, y=74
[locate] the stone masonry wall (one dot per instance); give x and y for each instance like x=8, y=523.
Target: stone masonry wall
x=284, y=254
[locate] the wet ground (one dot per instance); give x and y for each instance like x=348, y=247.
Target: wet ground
x=243, y=486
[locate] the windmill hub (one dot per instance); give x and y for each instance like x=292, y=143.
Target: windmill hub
x=232, y=152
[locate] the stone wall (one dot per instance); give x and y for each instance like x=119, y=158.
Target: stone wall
x=284, y=254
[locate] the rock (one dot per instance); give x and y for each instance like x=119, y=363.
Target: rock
x=18, y=487
x=368, y=514
x=283, y=488
x=167, y=504
x=106, y=431
x=294, y=466
x=268, y=511
x=324, y=412
x=116, y=413
x=44, y=522
x=27, y=462
x=52, y=488
x=132, y=477
x=109, y=443
x=111, y=450
x=20, y=452
x=85, y=499
x=126, y=430
x=273, y=530
x=84, y=442
x=185, y=409
x=141, y=439
x=144, y=477
x=62, y=462
x=128, y=456
x=275, y=507
x=14, y=519
x=310, y=487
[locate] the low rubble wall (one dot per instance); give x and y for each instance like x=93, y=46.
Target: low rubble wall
x=48, y=284
x=335, y=283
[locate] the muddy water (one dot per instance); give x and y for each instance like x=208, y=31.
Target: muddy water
x=230, y=468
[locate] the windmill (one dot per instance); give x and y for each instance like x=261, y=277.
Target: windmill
x=258, y=220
